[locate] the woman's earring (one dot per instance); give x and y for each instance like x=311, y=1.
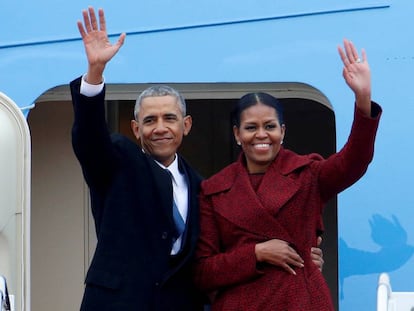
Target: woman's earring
x=239, y=143
x=281, y=142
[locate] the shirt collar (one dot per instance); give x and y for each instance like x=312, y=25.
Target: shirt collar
x=173, y=168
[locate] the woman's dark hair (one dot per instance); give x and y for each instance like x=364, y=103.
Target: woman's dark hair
x=252, y=99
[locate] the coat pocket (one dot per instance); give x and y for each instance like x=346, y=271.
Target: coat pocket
x=103, y=278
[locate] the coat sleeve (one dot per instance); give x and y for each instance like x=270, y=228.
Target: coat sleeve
x=214, y=268
x=345, y=167
x=91, y=140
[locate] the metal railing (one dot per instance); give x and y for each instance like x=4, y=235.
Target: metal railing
x=387, y=300
x=4, y=295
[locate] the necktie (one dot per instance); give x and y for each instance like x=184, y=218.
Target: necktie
x=178, y=219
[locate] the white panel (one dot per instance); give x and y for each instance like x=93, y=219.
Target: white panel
x=15, y=201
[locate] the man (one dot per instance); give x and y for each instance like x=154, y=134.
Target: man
x=140, y=263
x=146, y=216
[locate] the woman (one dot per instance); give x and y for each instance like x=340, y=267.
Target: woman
x=261, y=214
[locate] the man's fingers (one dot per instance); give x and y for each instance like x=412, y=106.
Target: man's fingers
x=86, y=20
x=102, y=22
x=316, y=251
x=92, y=17
x=121, y=39
x=319, y=241
x=81, y=29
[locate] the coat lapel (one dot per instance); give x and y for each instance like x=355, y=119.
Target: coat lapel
x=276, y=189
x=163, y=186
x=245, y=209
x=193, y=184
x=256, y=212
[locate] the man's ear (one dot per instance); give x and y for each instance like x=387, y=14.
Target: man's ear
x=188, y=122
x=135, y=129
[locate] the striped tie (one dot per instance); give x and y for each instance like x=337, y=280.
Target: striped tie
x=178, y=219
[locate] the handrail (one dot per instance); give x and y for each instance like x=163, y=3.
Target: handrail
x=383, y=292
x=4, y=295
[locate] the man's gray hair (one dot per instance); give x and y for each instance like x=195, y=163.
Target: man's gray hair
x=159, y=90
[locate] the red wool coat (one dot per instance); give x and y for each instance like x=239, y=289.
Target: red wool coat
x=287, y=206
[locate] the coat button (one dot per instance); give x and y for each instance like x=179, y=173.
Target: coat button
x=164, y=235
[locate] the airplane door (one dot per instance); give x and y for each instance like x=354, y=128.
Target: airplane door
x=15, y=203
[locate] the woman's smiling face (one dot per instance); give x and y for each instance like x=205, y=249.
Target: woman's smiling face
x=260, y=134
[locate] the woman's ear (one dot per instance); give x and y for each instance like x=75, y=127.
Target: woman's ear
x=283, y=131
x=236, y=134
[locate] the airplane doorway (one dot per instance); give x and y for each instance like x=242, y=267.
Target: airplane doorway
x=62, y=226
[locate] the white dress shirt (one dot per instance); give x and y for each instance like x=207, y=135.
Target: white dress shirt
x=90, y=90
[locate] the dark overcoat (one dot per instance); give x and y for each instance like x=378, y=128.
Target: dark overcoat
x=131, y=201
x=287, y=205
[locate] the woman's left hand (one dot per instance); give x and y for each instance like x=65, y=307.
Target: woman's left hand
x=357, y=75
